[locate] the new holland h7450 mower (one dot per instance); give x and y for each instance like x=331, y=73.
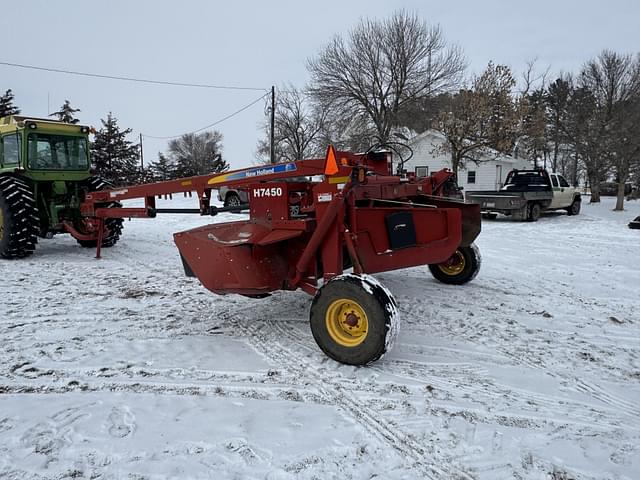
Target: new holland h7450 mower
x=321, y=225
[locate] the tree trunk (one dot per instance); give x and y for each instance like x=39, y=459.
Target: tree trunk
x=455, y=164
x=620, y=199
x=574, y=172
x=594, y=183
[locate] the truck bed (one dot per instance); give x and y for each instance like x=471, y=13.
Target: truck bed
x=505, y=201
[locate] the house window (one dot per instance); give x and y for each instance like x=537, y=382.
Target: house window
x=471, y=176
x=422, y=171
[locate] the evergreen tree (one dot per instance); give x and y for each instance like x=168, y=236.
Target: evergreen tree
x=6, y=105
x=163, y=168
x=197, y=154
x=65, y=114
x=114, y=157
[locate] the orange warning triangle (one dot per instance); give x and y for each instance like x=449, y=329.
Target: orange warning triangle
x=331, y=164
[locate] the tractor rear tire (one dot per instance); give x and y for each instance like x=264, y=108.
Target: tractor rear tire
x=113, y=226
x=462, y=267
x=354, y=319
x=19, y=223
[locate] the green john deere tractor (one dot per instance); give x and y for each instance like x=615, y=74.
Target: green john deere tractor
x=44, y=175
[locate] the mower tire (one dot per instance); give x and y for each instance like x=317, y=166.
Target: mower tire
x=459, y=268
x=113, y=226
x=19, y=223
x=354, y=319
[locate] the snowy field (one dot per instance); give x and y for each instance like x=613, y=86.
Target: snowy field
x=123, y=368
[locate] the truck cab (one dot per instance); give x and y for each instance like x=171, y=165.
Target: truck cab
x=563, y=193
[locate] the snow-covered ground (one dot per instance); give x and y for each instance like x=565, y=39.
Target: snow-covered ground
x=125, y=368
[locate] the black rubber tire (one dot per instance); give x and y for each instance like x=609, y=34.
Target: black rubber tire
x=232, y=200
x=19, y=223
x=375, y=301
x=534, y=212
x=472, y=262
x=574, y=208
x=113, y=226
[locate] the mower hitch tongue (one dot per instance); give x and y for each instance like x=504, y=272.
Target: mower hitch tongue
x=310, y=222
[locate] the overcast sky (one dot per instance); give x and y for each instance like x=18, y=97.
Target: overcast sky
x=259, y=44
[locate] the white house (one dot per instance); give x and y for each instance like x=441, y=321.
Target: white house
x=489, y=174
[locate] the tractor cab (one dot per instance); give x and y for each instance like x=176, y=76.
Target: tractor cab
x=44, y=149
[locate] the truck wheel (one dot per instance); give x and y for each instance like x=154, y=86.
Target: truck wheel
x=112, y=225
x=459, y=268
x=19, y=223
x=354, y=319
x=232, y=200
x=574, y=209
x=534, y=212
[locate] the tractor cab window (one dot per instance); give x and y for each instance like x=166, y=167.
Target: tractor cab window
x=11, y=149
x=57, y=152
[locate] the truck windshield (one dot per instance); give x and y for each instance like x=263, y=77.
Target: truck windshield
x=57, y=152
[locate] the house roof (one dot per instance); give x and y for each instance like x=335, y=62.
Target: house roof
x=434, y=136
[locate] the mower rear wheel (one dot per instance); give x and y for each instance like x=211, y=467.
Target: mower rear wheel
x=459, y=268
x=19, y=223
x=354, y=319
x=113, y=226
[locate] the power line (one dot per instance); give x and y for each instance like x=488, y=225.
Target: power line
x=214, y=123
x=130, y=79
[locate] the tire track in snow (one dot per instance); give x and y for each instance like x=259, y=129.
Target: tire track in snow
x=253, y=391
x=470, y=382
x=265, y=338
x=475, y=331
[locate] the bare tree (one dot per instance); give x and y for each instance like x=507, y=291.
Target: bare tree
x=532, y=79
x=381, y=65
x=197, y=154
x=298, y=127
x=485, y=116
x=614, y=83
x=556, y=98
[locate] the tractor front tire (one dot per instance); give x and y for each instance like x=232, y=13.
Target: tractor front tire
x=354, y=319
x=19, y=223
x=459, y=268
x=113, y=226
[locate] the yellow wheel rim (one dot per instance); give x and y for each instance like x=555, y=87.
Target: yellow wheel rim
x=347, y=322
x=1, y=225
x=454, y=265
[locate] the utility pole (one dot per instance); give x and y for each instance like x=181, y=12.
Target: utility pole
x=273, y=123
x=141, y=155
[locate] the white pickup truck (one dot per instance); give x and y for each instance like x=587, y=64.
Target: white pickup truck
x=527, y=193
